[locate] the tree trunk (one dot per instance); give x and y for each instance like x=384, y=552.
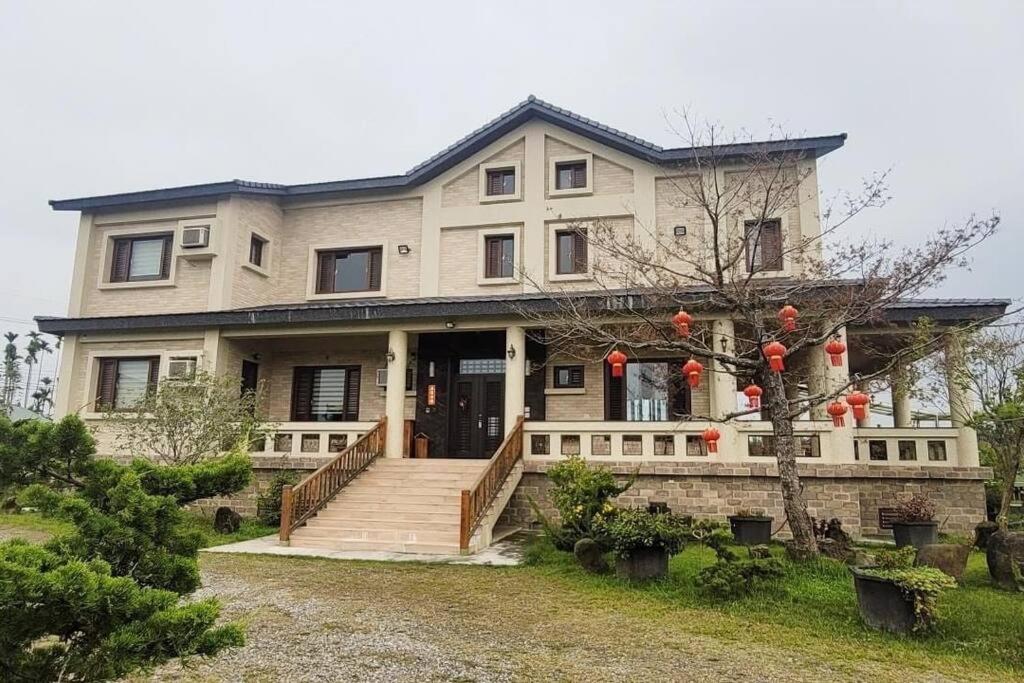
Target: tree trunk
x=1003, y=516
x=793, y=501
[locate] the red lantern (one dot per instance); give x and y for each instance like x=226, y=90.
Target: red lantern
x=753, y=394
x=617, y=359
x=711, y=437
x=788, y=317
x=682, y=321
x=692, y=370
x=835, y=350
x=859, y=401
x=775, y=352
x=837, y=410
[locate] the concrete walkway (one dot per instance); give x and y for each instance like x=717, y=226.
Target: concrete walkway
x=505, y=553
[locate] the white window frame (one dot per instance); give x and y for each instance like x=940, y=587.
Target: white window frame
x=553, y=274
x=500, y=166
x=92, y=374
x=264, y=269
x=481, y=255
x=107, y=254
x=311, y=269
x=553, y=163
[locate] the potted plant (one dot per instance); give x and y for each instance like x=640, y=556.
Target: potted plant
x=643, y=542
x=751, y=528
x=897, y=597
x=914, y=522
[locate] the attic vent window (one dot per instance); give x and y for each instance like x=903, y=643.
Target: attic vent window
x=679, y=231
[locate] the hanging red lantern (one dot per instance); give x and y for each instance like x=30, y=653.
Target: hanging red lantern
x=753, y=394
x=835, y=349
x=692, y=370
x=682, y=321
x=711, y=437
x=788, y=316
x=775, y=352
x=617, y=359
x=859, y=401
x=837, y=410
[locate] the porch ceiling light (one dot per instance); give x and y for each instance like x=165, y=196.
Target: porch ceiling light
x=449, y=324
x=511, y=352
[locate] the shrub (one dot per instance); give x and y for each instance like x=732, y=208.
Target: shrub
x=728, y=580
x=268, y=504
x=918, y=508
x=636, y=529
x=923, y=585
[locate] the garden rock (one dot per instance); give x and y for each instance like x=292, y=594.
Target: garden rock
x=759, y=552
x=1005, y=555
x=9, y=504
x=949, y=558
x=983, y=532
x=226, y=520
x=590, y=556
x=836, y=550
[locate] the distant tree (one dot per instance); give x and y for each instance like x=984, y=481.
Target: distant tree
x=42, y=397
x=11, y=371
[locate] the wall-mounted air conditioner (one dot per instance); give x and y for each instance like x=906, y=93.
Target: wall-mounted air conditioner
x=181, y=368
x=195, y=237
x=382, y=377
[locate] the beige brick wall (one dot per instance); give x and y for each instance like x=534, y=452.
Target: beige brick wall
x=460, y=263
x=398, y=221
x=264, y=217
x=609, y=177
x=604, y=266
x=465, y=189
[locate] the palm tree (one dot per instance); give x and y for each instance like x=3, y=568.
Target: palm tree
x=11, y=371
x=43, y=396
x=31, y=358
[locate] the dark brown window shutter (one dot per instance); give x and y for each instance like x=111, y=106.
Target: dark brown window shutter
x=119, y=262
x=615, y=388
x=579, y=251
x=493, y=267
x=494, y=183
x=352, y=394
x=576, y=376
x=678, y=391
x=579, y=175
x=302, y=394
x=154, y=374
x=771, y=246
x=325, y=273
x=374, y=259
x=165, y=257
x=107, y=383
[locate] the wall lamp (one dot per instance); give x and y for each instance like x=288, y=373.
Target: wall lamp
x=390, y=355
x=511, y=352
x=449, y=324
x=404, y=249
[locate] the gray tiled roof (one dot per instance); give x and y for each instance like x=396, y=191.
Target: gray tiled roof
x=458, y=152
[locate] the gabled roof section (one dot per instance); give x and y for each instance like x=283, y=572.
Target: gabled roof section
x=531, y=108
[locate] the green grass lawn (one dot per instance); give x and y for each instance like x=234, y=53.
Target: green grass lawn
x=816, y=605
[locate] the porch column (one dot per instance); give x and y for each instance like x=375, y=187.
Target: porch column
x=960, y=407
x=898, y=385
x=394, y=397
x=515, y=375
x=723, y=384
x=824, y=378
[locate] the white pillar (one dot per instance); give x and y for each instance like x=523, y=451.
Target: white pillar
x=394, y=403
x=63, y=402
x=723, y=383
x=515, y=375
x=825, y=378
x=901, y=411
x=960, y=407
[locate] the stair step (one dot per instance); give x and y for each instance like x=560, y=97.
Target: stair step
x=382, y=546
x=378, y=523
x=393, y=535
x=343, y=512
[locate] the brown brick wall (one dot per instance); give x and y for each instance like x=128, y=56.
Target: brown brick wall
x=263, y=472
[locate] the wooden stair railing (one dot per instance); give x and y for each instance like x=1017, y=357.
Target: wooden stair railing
x=305, y=499
x=476, y=500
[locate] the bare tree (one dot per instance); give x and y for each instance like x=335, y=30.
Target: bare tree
x=746, y=256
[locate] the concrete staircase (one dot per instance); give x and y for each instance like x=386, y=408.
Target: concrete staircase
x=396, y=505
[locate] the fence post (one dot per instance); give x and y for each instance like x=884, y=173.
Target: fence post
x=464, y=521
x=286, y=513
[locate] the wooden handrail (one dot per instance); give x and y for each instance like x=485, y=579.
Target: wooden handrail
x=305, y=499
x=476, y=500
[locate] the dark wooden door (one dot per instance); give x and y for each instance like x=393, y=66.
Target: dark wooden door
x=477, y=415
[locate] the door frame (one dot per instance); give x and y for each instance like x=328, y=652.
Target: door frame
x=480, y=381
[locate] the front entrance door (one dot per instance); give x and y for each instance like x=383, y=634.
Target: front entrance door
x=478, y=409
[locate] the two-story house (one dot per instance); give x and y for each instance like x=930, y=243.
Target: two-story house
x=403, y=297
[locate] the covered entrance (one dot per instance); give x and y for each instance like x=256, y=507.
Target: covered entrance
x=476, y=424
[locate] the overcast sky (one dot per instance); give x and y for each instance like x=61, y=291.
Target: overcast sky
x=99, y=98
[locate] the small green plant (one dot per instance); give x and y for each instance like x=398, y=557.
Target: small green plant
x=755, y=514
x=923, y=585
x=918, y=508
x=268, y=504
x=636, y=529
x=729, y=577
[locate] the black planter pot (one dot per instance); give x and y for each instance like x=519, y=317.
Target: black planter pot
x=917, y=534
x=643, y=564
x=883, y=606
x=751, y=530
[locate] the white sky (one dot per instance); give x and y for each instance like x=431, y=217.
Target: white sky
x=98, y=98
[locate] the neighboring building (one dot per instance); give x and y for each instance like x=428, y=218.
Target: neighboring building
x=403, y=296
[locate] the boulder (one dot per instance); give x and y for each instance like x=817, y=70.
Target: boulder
x=949, y=558
x=759, y=552
x=226, y=520
x=1005, y=555
x=590, y=555
x=983, y=532
x=837, y=550
x=10, y=504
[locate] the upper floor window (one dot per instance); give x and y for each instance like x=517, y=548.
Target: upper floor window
x=571, y=175
x=349, y=270
x=571, y=252
x=123, y=382
x=763, y=245
x=257, y=247
x=501, y=181
x=141, y=258
x=499, y=252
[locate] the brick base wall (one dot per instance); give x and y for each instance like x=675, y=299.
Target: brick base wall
x=264, y=470
x=852, y=493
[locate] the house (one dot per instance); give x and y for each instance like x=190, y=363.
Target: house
x=373, y=310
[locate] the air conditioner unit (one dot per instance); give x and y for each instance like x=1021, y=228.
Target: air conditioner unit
x=195, y=237
x=181, y=368
x=382, y=377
